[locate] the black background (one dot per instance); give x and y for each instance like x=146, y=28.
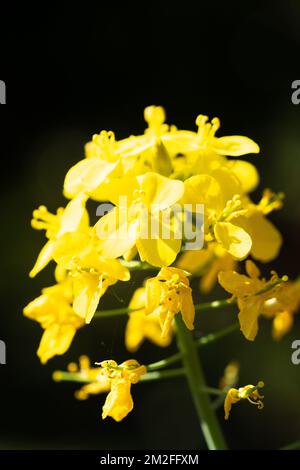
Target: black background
x=74, y=69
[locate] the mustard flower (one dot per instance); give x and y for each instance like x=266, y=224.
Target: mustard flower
x=168, y=294
x=70, y=219
x=119, y=400
x=249, y=392
x=282, y=308
x=141, y=203
x=90, y=273
x=251, y=293
x=53, y=310
x=141, y=326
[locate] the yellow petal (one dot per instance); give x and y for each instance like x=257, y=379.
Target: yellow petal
x=117, y=233
x=72, y=246
x=252, y=270
x=74, y=215
x=229, y=183
x=203, y=189
x=153, y=332
x=112, y=268
x=282, y=324
x=237, y=284
x=233, y=239
x=87, y=175
x=248, y=316
x=234, y=145
x=195, y=261
x=87, y=293
x=119, y=401
x=43, y=259
x=121, y=191
x=160, y=192
x=266, y=239
x=138, y=300
x=153, y=293
x=134, y=333
x=158, y=252
x=56, y=340
x=187, y=309
x=246, y=173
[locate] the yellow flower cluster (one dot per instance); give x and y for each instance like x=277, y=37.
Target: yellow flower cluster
x=144, y=177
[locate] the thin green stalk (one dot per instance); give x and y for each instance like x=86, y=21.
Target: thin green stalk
x=214, y=391
x=165, y=362
x=195, y=377
x=138, y=265
x=113, y=313
x=166, y=374
x=211, y=337
x=215, y=304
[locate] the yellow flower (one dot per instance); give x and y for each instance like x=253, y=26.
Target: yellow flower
x=249, y=392
x=90, y=273
x=207, y=263
x=102, y=162
x=70, y=219
x=168, y=294
x=119, y=400
x=108, y=377
x=56, y=316
x=282, y=308
x=107, y=158
x=139, y=220
x=141, y=326
x=251, y=292
x=221, y=212
x=233, y=145
x=266, y=239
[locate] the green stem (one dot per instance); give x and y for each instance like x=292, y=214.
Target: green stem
x=113, y=313
x=215, y=304
x=211, y=337
x=166, y=374
x=164, y=362
x=138, y=265
x=195, y=377
x=214, y=391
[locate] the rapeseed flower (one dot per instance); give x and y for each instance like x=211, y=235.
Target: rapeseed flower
x=168, y=294
x=249, y=392
x=53, y=310
x=141, y=326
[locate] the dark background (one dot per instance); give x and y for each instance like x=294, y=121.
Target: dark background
x=72, y=70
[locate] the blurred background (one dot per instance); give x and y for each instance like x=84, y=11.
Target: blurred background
x=73, y=71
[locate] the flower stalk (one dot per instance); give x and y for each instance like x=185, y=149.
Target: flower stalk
x=195, y=377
